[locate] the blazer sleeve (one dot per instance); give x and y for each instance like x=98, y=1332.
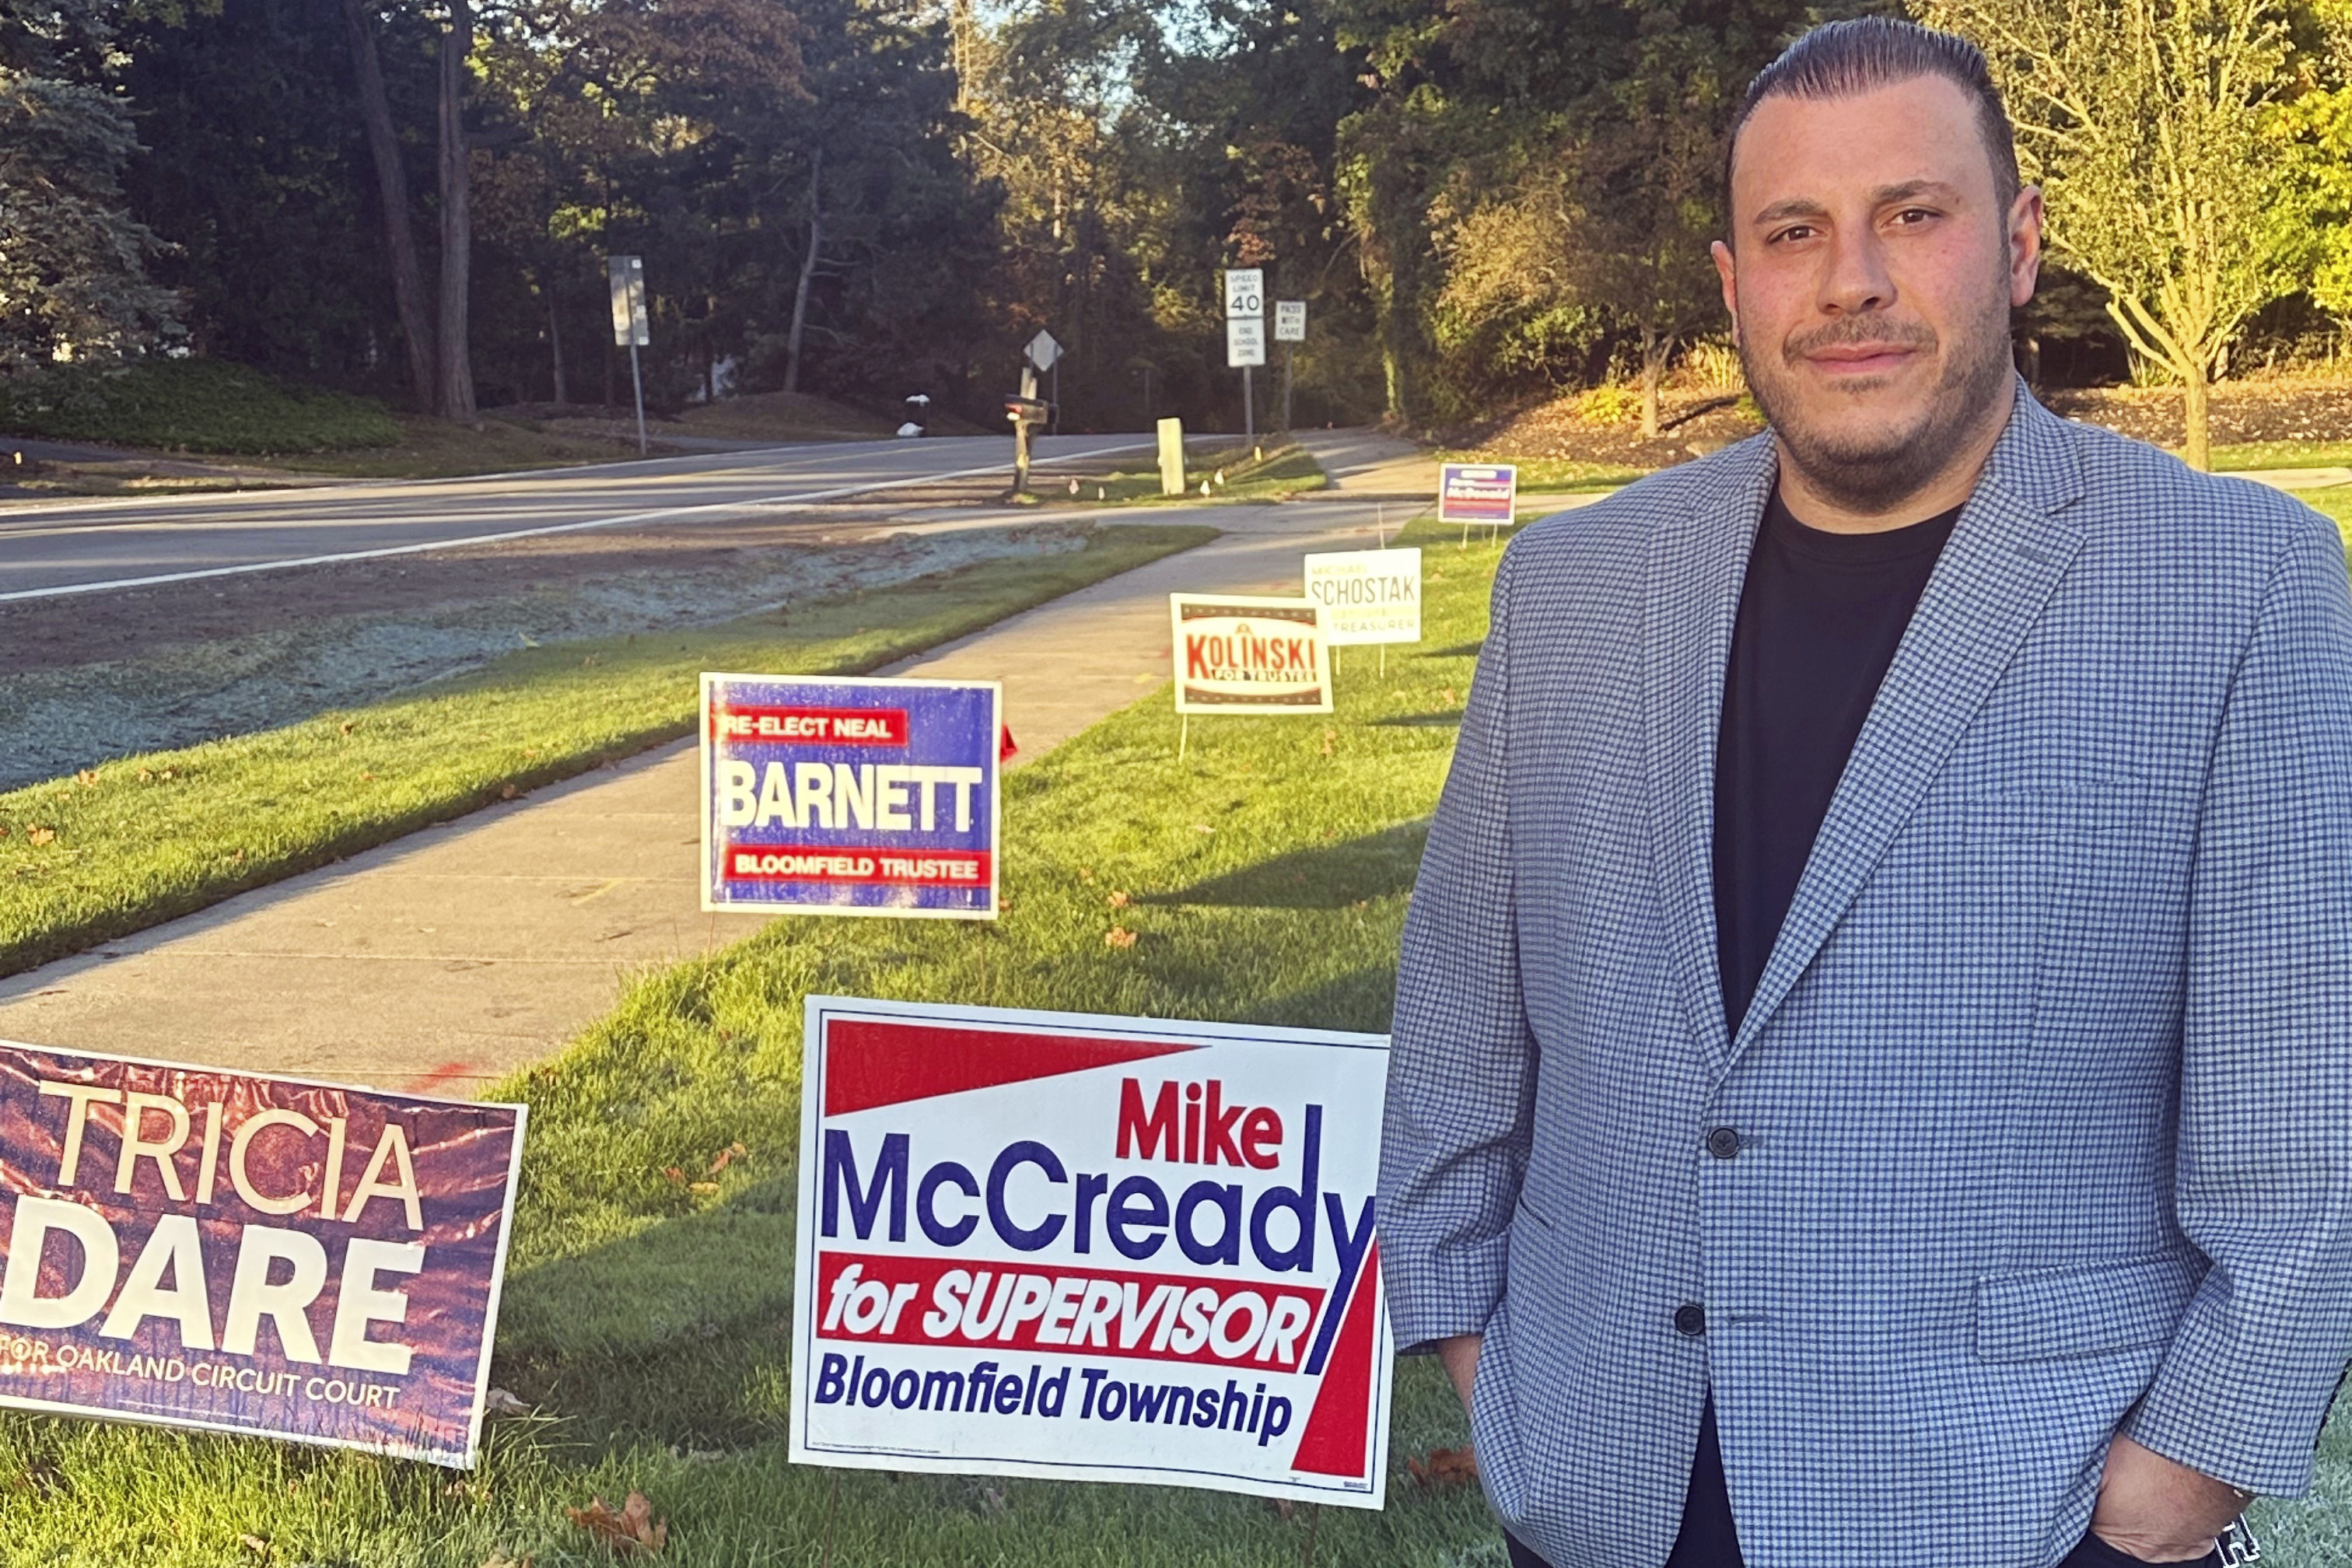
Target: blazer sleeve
x=1461, y=1059
x=2263, y=1173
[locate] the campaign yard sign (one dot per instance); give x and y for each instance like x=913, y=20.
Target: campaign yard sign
x=1240, y=655
x=847, y=795
x=240, y=1252
x=1367, y=595
x=1477, y=492
x=1090, y=1248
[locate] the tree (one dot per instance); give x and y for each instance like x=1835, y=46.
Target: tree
x=391, y=189
x=73, y=280
x=2144, y=121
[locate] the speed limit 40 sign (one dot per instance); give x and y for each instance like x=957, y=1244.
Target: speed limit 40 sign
x=1244, y=292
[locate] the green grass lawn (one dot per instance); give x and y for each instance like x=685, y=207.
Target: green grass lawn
x=1265, y=878
x=143, y=839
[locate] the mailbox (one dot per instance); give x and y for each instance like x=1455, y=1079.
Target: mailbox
x=1025, y=410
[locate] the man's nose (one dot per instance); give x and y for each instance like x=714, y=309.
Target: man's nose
x=1856, y=278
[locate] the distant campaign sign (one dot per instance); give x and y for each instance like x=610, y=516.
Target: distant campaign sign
x=1367, y=595
x=1477, y=492
x=1248, y=654
x=244, y=1253
x=1090, y=1248
x=850, y=796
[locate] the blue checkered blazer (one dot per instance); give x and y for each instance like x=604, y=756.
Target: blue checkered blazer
x=2045, y=1101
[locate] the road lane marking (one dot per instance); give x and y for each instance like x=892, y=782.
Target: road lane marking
x=796, y=502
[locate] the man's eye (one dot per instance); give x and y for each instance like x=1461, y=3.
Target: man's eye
x=1908, y=215
x=1794, y=231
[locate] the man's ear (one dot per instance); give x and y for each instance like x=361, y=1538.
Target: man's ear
x=2025, y=216
x=1725, y=270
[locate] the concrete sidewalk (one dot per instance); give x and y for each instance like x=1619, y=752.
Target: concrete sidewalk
x=451, y=958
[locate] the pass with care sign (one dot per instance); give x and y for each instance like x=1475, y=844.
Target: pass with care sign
x=1090, y=1248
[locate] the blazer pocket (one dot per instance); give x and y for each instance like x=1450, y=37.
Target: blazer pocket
x=2041, y=1314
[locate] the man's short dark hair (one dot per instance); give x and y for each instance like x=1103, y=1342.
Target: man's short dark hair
x=1842, y=60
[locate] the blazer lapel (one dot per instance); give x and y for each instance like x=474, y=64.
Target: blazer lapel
x=1696, y=565
x=2007, y=553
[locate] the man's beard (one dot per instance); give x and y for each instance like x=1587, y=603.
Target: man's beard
x=1875, y=472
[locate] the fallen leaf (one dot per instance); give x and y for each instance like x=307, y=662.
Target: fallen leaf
x=731, y=1152
x=1085, y=875
x=1118, y=900
x=1119, y=936
x=508, y=792
x=705, y=1188
x=633, y=1529
x=144, y=775
x=343, y=729
x=254, y=1543
x=500, y=1401
x=500, y=1560
x=1445, y=1468
x=676, y=1177
x=1203, y=828
x=1446, y=692
x=1330, y=741
x=86, y=777
x=40, y=834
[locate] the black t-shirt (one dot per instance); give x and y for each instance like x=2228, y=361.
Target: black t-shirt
x=1820, y=616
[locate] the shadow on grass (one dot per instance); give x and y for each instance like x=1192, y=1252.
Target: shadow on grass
x=1449, y=719
x=1330, y=876
x=1459, y=650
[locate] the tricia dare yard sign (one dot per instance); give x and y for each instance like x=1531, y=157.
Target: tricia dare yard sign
x=244, y=1253
x=850, y=796
x=1090, y=1248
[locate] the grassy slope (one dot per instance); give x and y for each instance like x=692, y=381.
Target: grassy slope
x=158, y=835
x=1266, y=877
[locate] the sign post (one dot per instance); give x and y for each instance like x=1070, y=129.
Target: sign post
x=1289, y=327
x=1245, y=334
x=1206, y=1312
x=1047, y=355
x=630, y=328
x=1171, y=457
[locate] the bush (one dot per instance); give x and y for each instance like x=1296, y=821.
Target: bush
x=1611, y=402
x=189, y=405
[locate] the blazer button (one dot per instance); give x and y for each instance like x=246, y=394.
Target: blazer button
x=1723, y=1142
x=1690, y=1319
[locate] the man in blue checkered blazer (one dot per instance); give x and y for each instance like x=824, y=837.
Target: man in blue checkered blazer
x=1994, y=1208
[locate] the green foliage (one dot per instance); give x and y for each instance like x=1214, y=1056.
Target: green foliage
x=188, y=404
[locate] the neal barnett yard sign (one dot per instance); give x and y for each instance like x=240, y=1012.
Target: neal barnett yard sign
x=1090, y=1248
x=846, y=796
x=244, y=1253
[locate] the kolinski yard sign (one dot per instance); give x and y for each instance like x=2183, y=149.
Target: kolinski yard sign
x=250, y=1254
x=1248, y=654
x=850, y=796
x=1090, y=1248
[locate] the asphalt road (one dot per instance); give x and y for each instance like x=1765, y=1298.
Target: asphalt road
x=78, y=547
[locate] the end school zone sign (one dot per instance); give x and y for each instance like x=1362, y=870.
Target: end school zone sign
x=1090, y=1248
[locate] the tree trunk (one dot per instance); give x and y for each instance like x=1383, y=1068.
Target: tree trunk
x=392, y=189
x=808, y=271
x=2197, y=442
x=1656, y=349
x=555, y=348
x=456, y=381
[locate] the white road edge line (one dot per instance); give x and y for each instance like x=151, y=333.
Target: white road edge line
x=801, y=499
